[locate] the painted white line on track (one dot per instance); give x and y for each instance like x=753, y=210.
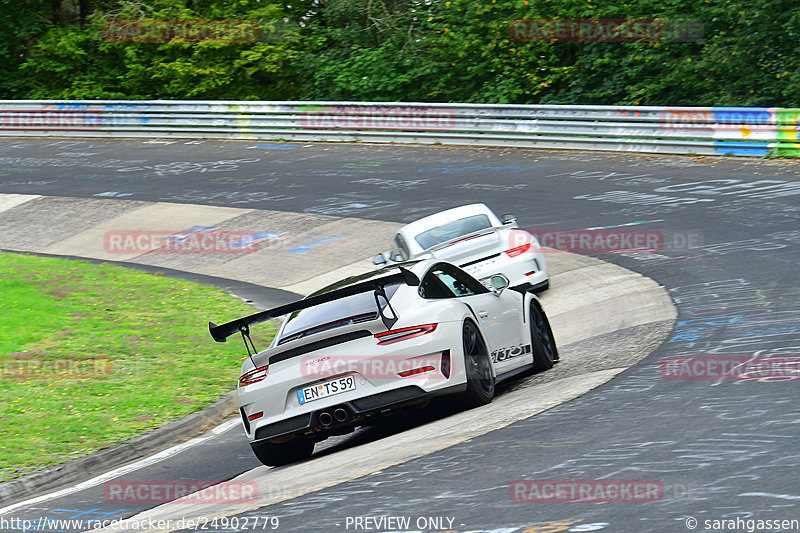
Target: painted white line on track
x=637, y=223
x=582, y=290
x=772, y=495
x=132, y=467
x=225, y=426
x=275, y=485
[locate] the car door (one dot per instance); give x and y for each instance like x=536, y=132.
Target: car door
x=500, y=316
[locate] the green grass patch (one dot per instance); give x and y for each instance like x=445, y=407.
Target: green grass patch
x=93, y=355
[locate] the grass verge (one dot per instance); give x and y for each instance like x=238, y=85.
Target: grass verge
x=93, y=355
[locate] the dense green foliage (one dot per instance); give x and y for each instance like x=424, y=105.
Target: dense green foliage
x=403, y=50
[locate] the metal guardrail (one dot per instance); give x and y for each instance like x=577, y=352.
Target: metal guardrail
x=753, y=131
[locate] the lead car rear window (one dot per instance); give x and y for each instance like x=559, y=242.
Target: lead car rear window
x=338, y=313
x=452, y=230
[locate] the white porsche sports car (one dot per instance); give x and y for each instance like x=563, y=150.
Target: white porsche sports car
x=351, y=353
x=475, y=239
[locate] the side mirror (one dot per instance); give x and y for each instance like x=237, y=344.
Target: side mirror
x=499, y=284
x=379, y=260
x=508, y=218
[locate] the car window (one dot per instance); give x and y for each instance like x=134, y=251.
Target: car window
x=342, y=312
x=432, y=288
x=400, y=248
x=447, y=281
x=452, y=230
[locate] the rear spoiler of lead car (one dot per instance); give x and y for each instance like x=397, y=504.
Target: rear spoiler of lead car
x=469, y=236
x=242, y=325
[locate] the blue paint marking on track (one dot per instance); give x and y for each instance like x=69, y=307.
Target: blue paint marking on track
x=185, y=234
x=692, y=330
x=316, y=243
x=96, y=513
x=246, y=241
x=273, y=146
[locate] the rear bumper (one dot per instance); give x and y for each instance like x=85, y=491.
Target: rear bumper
x=533, y=287
x=375, y=367
x=319, y=425
x=528, y=270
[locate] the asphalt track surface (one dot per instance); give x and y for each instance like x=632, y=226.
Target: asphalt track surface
x=721, y=449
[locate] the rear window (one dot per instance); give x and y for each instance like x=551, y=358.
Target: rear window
x=452, y=230
x=343, y=312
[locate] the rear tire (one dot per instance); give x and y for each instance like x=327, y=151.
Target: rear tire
x=545, y=351
x=480, y=378
x=282, y=454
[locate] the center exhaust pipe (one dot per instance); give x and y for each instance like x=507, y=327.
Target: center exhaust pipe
x=340, y=414
x=325, y=419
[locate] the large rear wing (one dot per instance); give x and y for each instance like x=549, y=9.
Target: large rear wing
x=242, y=325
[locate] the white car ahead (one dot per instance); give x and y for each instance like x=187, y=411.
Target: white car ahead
x=475, y=239
x=354, y=352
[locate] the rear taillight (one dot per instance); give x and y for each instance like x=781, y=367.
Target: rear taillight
x=254, y=376
x=514, y=252
x=397, y=335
